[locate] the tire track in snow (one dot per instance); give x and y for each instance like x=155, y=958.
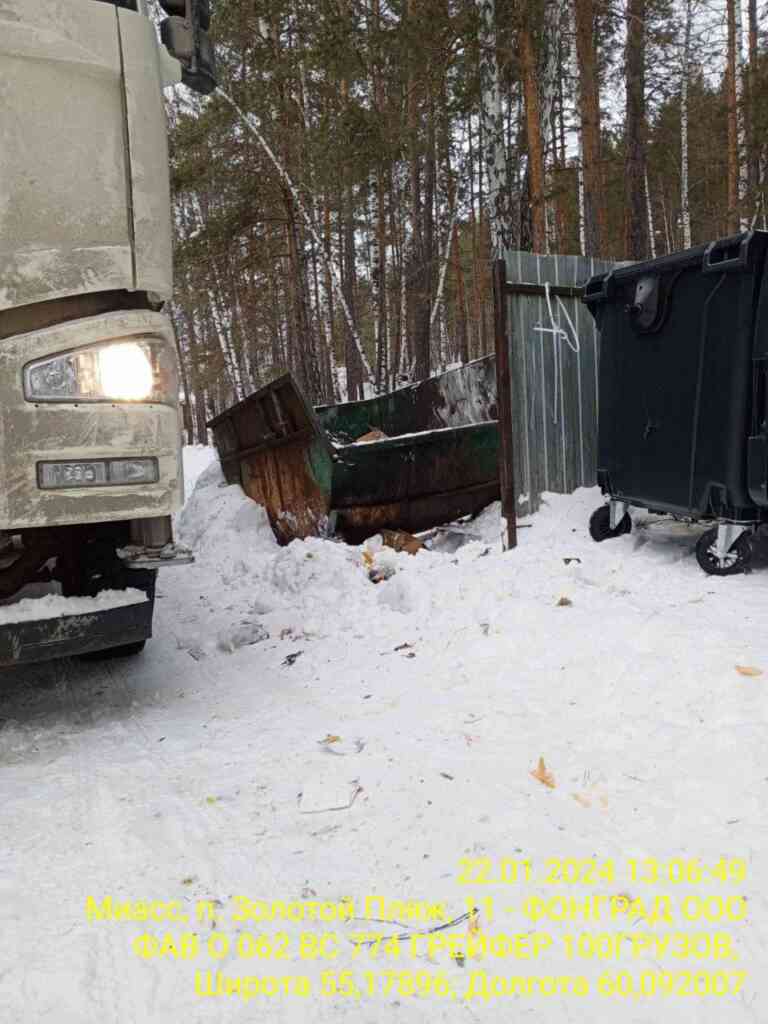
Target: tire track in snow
x=221, y=864
x=103, y=968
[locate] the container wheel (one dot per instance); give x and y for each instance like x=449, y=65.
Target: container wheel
x=736, y=560
x=600, y=524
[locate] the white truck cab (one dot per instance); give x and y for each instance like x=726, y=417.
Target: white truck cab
x=90, y=438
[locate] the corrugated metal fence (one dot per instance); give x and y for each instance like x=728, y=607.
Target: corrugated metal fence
x=547, y=344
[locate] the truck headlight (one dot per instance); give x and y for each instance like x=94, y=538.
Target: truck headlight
x=135, y=370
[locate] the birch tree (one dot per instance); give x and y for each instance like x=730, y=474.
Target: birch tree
x=735, y=94
x=685, y=206
x=492, y=120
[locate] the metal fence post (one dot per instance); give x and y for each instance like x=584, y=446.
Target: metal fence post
x=502, y=342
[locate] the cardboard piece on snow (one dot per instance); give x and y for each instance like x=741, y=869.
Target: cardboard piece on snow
x=328, y=793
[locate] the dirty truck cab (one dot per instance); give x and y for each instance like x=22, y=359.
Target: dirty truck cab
x=90, y=456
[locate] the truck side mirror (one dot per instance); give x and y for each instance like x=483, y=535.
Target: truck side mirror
x=184, y=34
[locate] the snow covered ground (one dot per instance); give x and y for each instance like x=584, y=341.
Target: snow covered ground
x=282, y=682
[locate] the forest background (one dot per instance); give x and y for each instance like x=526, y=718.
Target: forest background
x=394, y=149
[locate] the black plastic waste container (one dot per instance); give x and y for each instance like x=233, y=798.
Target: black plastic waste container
x=682, y=414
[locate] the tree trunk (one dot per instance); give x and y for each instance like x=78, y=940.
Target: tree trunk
x=461, y=301
x=493, y=153
x=589, y=117
x=303, y=356
x=685, y=206
x=734, y=72
x=636, y=240
x=529, y=74
x=423, y=335
x=649, y=210
x=349, y=279
x=549, y=67
x=755, y=175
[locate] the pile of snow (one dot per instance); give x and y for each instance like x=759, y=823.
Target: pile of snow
x=220, y=522
x=304, y=586
x=249, y=588
x=313, y=587
x=197, y=458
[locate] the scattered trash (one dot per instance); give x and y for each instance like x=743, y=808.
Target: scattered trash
x=543, y=775
x=569, y=560
x=447, y=776
x=400, y=540
x=373, y=435
x=291, y=658
x=402, y=936
x=330, y=738
x=340, y=749
x=748, y=670
x=243, y=635
x=589, y=798
x=317, y=796
x=564, y=602
x=402, y=647
x=380, y=573
x=448, y=539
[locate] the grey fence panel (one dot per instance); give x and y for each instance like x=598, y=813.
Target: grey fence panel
x=553, y=355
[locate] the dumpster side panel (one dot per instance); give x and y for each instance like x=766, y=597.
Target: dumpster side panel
x=272, y=445
x=453, y=399
x=414, y=482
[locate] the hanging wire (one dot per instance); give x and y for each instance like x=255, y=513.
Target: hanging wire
x=557, y=333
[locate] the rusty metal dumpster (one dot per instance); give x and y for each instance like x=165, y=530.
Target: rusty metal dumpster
x=431, y=455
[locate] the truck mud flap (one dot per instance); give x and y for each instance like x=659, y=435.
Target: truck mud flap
x=69, y=635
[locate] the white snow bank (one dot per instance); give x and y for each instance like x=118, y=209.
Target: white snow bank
x=222, y=523
x=313, y=587
x=197, y=458
x=54, y=606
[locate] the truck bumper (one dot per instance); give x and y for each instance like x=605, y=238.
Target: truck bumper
x=69, y=635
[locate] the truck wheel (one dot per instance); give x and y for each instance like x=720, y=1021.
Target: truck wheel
x=736, y=560
x=125, y=651
x=600, y=524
